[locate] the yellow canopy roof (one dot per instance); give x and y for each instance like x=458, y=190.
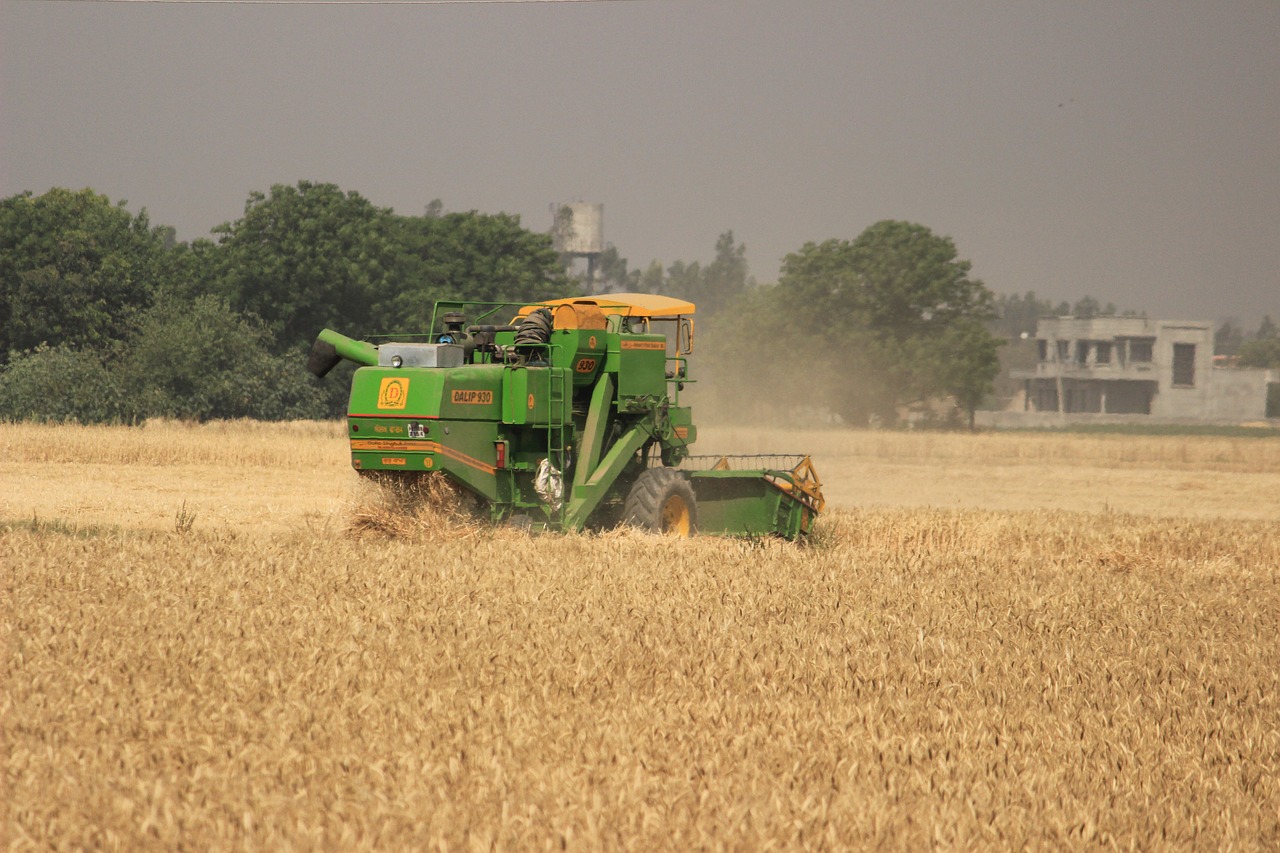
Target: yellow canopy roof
x=630, y=304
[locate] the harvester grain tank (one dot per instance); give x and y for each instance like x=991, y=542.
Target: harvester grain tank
x=562, y=415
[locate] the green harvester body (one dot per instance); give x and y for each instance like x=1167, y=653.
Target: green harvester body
x=557, y=415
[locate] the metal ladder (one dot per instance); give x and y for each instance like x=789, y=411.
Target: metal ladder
x=556, y=379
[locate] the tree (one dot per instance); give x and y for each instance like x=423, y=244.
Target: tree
x=725, y=279
x=1086, y=308
x=683, y=280
x=305, y=257
x=1227, y=338
x=898, y=310
x=465, y=256
x=1261, y=352
x=1266, y=329
x=896, y=277
x=966, y=359
x=653, y=279
x=74, y=269
x=713, y=287
x=612, y=274
x=1020, y=313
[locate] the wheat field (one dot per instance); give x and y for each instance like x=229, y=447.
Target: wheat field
x=992, y=641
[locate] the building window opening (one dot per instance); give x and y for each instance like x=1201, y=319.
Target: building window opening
x=1103, y=355
x=1042, y=348
x=1140, y=350
x=1064, y=350
x=1082, y=352
x=1184, y=365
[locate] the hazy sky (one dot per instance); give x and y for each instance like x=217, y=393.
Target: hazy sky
x=1121, y=149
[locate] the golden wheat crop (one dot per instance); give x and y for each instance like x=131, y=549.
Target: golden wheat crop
x=917, y=676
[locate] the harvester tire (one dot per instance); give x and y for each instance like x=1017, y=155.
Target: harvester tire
x=662, y=501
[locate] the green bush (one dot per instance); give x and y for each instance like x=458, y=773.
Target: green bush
x=57, y=384
x=1260, y=352
x=202, y=361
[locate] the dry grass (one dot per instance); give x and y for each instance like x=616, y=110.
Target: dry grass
x=425, y=508
x=917, y=677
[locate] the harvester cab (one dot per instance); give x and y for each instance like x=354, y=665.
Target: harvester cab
x=564, y=414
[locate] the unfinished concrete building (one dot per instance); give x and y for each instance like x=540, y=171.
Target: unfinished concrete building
x=1134, y=366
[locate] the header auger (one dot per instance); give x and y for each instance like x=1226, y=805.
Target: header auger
x=563, y=415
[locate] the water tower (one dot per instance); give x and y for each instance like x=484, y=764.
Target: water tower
x=577, y=231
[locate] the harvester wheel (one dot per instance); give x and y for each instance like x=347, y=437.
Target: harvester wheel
x=662, y=501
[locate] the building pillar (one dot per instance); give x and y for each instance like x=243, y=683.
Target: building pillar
x=1062, y=403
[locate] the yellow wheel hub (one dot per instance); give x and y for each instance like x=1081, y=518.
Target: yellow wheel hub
x=675, y=517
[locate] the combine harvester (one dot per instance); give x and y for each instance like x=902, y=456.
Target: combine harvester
x=562, y=415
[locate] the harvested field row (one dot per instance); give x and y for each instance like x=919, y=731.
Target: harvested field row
x=275, y=479
x=1203, y=453
x=308, y=444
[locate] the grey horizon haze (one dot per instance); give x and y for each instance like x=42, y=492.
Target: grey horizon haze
x=1122, y=150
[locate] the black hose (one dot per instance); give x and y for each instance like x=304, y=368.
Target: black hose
x=535, y=329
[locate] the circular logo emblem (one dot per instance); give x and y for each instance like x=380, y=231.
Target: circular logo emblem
x=591, y=341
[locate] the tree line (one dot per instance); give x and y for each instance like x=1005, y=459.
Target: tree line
x=1261, y=348
x=107, y=318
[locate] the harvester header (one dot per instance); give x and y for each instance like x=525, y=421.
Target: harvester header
x=562, y=415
